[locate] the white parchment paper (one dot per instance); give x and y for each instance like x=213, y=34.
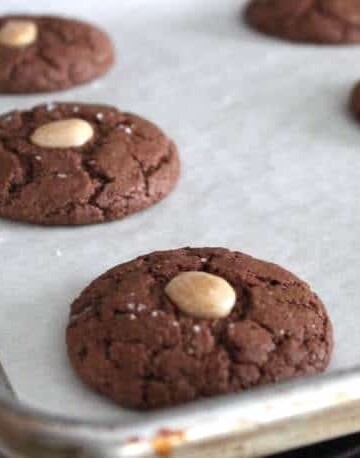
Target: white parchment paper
x=270, y=166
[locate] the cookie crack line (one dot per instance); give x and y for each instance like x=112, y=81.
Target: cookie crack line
x=148, y=173
x=95, y=176
x=27, y=173
x=143, y=172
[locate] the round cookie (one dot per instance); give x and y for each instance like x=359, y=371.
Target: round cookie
x=44, y=53
x=317, y=21
x=77, y=164
x=132, y=337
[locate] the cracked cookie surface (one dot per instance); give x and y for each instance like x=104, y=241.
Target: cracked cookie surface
x=128, y=341
x=128, y=165
x=65, y=53
x=317, y=21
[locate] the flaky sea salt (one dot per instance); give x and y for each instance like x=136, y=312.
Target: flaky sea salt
x=126, y=129
x=62, y=176
x=196, y=328
x=99, y=116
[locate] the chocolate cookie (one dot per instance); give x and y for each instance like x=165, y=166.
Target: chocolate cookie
x=43, y=53
x=179, y=325
x=79, y=164
x=317, y=21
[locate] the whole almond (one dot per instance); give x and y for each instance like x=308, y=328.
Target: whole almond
x=67, y=133
x=201, y=294
x=18, y=33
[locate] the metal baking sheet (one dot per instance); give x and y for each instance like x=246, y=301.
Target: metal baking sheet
x=270, y=166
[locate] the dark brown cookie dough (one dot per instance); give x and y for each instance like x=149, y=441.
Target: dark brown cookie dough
x=128, y=341
x=128, y=164
x=64, y=53
x=317, y=21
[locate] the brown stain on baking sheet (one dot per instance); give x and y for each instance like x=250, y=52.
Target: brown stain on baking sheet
x=165, y=441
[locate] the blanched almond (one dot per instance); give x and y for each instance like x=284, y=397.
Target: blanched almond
x=66, y=133
x=201, y=294
x=18, y=33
